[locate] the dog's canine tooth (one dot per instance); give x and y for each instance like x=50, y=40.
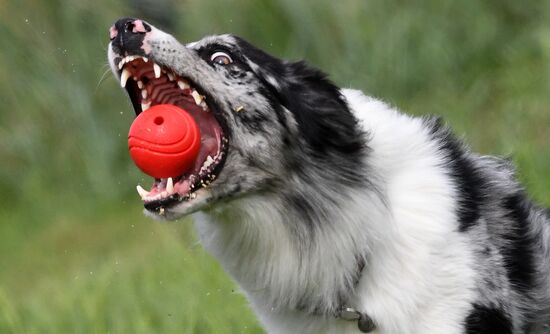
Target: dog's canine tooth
x=197, y=97
x=124, y=77
x=157, y=70
x=145, y=59
x=183, y=85
x=142, y=192
x=145, y=106
x=170, y=186
x=140, y=84
x=144, y=94
x=171, y=76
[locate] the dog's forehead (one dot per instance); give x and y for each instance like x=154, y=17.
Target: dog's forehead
x=225, y=40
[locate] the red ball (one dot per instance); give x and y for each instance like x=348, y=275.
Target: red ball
x=164, y=141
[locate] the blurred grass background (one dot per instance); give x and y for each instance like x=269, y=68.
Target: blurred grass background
x=76, y=254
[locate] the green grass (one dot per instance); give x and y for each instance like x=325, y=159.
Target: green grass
x=118, y=273
x=76, y=254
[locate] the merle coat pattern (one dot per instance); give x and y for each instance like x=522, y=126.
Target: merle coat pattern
x=329, y=198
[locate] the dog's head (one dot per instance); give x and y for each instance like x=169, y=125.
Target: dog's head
x=265, y=123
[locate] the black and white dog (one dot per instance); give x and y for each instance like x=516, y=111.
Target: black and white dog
x=333, y=211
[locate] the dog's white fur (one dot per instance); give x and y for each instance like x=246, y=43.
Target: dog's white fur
x=406, y=287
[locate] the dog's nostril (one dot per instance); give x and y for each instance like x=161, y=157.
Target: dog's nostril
x=129, y=26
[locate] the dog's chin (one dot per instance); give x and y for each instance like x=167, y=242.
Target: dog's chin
x=205, y=199
x=179, y=209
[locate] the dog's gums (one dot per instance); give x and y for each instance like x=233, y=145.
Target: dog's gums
x=149, y=84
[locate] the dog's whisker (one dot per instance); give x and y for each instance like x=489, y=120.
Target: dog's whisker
x=102, y=78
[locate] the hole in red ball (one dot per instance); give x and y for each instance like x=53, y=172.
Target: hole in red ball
x=158, y=120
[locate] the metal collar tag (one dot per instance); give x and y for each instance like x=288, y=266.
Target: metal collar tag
x=364, y=322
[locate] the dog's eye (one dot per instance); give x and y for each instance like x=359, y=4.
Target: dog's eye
x=221, y=58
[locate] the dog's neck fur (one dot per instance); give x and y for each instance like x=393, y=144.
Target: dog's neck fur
x=282, y=246
x=286, y=256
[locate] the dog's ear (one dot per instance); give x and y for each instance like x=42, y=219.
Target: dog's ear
x=321, y=112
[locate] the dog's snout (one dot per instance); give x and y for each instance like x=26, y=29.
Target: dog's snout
x=127, y=34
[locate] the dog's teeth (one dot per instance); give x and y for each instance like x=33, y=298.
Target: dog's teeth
x=124, y=77
x=171, y=76
x=197, y=97
x=170, y=186
x=145, y=106
x=156, y=68
x=142, y=192
x=209, y=160
x=122, y=62
x=144, y=94
x=183, y=85
x=193, y=196
x=204, y=106
x=145, y=59
x=140, y=84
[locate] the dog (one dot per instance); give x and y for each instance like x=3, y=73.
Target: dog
x=333, y=211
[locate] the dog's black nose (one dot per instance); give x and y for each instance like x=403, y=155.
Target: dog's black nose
x=128, y=26
x=127, y=35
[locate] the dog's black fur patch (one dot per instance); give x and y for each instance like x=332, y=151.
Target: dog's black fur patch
x=324, y=119
x=518, y=249
x=485, y=320
x=467, y=179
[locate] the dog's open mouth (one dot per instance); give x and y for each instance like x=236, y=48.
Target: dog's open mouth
x=149, y=84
